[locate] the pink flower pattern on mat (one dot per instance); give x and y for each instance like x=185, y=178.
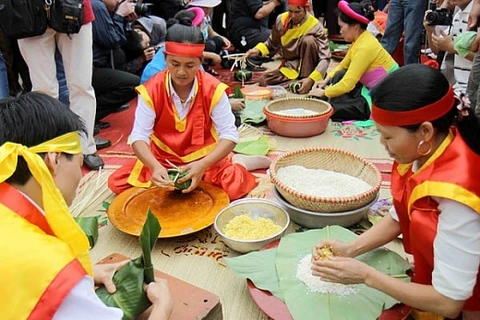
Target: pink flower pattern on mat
x=352, y=132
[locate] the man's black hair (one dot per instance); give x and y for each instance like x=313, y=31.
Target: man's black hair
x=31, y=119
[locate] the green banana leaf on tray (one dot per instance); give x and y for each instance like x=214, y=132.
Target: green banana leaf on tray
x=129, y=280
x=89, y=225
x=275, y=270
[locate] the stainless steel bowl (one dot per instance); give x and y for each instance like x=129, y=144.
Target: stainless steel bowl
x=257, y=208
x=314, y=220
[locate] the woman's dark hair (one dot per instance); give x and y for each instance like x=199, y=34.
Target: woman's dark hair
x=399, y=91
x=31, y=119
x=180, y=29
x=363, y=8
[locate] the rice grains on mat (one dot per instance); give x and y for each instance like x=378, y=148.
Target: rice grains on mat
x=244, y=227
x=321, y=183
x=315, y=284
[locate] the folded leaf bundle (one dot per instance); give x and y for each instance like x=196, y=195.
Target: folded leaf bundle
x=89, y=226
x=243, y=75
x=129, y=280
x=174, y=175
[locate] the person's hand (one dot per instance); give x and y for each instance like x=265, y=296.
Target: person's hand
x=149, y=53
x=427, y=26
x=195, y=169
x=443, y=42
x=103, y=274
x=341, y=270
x=473, y=24
x=237, y=104
x=126, y=8
x=338, y=248
x=254, y=52
x=226, y=42
x=305, y=85
x=216, y=59
x=317, y=92
x=320, y=84
x=160, y=178
x=160, y=296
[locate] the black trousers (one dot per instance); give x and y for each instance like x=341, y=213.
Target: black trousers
x=113, y=88
x=351, y=105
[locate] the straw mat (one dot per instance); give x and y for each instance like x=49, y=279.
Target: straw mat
x=198, y=258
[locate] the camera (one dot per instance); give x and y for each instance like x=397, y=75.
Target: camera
x=143, y=9
x=439, y=17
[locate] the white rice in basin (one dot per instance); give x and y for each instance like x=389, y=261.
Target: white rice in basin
x=296, y=112
x=315, y=284
x=321, y=183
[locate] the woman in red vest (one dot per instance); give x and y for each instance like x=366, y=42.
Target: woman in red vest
x=184, y=118
x=435, y=142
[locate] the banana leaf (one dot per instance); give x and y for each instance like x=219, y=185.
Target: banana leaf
x=278, y=275
x=129, y=280
x=259, y=146
x=89, y=226
x=175, y=174
x=237, y=93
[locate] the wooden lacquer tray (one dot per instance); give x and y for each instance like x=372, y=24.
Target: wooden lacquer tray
x=178, y=213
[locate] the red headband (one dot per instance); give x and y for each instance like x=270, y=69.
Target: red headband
x=184, y=49
x=345, y=8
x=404, y=118
x=298, y=3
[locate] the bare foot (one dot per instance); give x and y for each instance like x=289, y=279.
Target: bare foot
x=252, y=162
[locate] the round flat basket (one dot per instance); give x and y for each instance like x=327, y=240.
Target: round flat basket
x=331, y=159
x=317, y=107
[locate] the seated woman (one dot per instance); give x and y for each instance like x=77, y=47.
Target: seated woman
x=435, y=143
x=183, y=117
x=365, y=64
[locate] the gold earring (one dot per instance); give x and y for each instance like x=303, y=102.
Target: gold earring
x=420, y=144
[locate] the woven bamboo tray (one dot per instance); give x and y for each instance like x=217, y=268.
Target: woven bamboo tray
x=327, y=159
x=319, y=106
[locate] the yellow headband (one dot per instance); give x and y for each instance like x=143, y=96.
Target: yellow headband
x=56, y=210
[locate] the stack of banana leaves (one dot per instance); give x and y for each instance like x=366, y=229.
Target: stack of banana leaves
x=129, y=280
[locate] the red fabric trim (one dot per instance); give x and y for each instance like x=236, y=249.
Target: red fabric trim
x=15, y=201
x=298, y=3
x=184, y=49
x=88, y=15
x=404, y=118
x=57, y=291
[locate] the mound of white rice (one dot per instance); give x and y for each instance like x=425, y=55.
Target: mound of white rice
x=321, y=183
x=314, y=284
x=296, y=112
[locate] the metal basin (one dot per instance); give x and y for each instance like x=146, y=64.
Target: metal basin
x=257, y=208
x=315, y=220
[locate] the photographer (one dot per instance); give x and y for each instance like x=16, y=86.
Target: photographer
x=143, y=40
x=114, y=88
x=437, y=24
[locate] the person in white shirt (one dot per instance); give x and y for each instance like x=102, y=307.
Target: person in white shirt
x=440, y=38
x=184, y=119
